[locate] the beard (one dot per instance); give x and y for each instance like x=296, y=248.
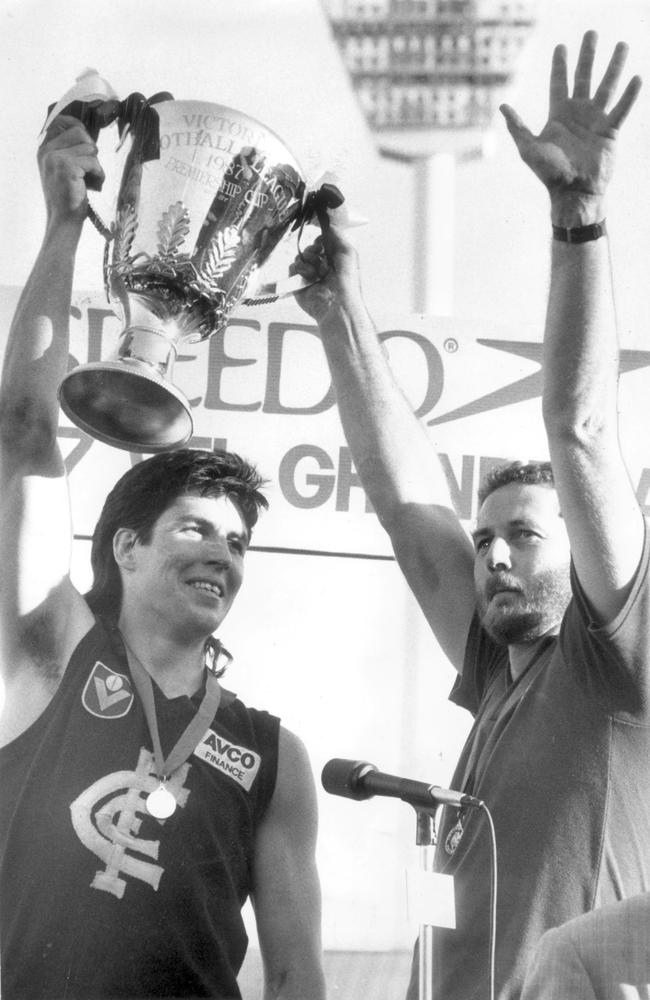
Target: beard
x=530, y=612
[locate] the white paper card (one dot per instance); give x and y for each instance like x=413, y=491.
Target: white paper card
x=430, y=898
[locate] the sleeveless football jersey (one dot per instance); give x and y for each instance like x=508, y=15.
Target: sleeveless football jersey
x=99, y=899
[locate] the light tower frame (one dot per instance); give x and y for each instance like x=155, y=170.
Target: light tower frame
x=429, y=76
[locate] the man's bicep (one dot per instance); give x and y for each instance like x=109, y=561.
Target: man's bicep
x=604, y=523
x=286, y=889
x=35, y=551
x=437, y=560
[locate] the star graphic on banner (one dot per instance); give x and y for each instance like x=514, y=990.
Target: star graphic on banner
x=528, y=387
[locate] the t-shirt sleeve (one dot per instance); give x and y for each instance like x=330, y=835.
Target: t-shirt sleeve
x=482, y=657
x=612, y=660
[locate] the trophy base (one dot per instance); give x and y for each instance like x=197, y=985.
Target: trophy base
x=127, y=405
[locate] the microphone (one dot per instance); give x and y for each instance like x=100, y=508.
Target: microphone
x=359, y=780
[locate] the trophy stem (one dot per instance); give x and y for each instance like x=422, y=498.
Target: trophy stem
x=130, y=401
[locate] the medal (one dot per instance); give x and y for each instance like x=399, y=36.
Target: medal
x=452, y=839
x=161, y=803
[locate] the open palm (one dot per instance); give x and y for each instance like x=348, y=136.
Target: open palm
x=575, y=150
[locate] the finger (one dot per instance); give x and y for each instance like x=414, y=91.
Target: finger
x=316, y=245
x=310, y=260
x=68, y=136
x=88, y=170
x=516, y=127
x=323, y=220
x=621, y=110
x=612, y=75
x=62, y=123
x=333, y=243
x=584, y=66
x=304, y=270
x=84, y=153
x=311, y=253
x=559, y=84
x=297, y=267
x=92, y=169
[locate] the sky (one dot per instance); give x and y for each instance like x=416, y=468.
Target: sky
x=275, y=59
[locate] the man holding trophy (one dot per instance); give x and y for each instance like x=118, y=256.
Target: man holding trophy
x=142, y=803
x=546, y=616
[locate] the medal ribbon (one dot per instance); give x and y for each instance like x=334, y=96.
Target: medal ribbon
x=471, y=774
x=510, y=695
x=189, y=738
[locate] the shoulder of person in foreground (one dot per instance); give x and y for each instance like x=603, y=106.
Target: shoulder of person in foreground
x=286, y=890
x=601, y=955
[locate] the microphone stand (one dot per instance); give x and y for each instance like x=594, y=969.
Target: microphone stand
x=425, y=839
x=359, y=780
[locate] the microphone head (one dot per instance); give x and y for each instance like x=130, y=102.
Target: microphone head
x=345, y=777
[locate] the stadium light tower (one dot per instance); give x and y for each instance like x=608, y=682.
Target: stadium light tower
x=429, y=76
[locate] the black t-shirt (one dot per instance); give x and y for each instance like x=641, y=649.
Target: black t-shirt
x=561, y=758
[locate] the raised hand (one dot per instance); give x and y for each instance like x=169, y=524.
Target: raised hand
x=574, y=153
x=67, y=157
x=333, y=263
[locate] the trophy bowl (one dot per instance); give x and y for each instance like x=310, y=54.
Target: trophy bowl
x=205, y=196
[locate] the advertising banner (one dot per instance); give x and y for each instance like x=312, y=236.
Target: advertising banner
x=262, y=388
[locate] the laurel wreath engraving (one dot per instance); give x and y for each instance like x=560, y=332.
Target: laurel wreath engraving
x=124, y=231
x=195, y=296
x=220, y=255
x=172, y=230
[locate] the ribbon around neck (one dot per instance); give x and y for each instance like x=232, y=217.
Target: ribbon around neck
x=189, y=738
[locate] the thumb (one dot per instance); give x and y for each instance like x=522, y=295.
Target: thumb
x=519, y=132
x=335, y=242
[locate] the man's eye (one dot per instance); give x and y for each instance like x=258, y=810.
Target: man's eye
x=237, y=545
x=482, y=544
x=526, y=534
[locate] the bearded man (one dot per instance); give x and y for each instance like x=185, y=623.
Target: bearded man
x=547, y=616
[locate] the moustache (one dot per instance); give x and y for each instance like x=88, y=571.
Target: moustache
x=502, y=582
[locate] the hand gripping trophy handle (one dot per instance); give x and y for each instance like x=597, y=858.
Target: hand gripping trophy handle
x=206, y=195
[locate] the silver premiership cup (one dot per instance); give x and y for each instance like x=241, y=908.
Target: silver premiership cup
x=205, y=195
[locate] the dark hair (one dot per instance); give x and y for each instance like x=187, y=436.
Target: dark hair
x=526, y=473
x=146, y=491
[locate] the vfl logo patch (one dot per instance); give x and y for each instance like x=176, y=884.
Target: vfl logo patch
x=107, y=694
x=239, y=763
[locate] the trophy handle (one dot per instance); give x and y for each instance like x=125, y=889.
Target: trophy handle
x=271, y=291
x=95, y=114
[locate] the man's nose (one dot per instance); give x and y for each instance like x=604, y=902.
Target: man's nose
x=499, y=555
x=218, y=552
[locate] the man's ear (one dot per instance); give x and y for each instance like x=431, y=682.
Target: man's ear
x=124, y=544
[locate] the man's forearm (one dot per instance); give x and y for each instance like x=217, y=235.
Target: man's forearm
x=580, y=343
x=37, y=350
x=298, y=984
x=391, y=450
